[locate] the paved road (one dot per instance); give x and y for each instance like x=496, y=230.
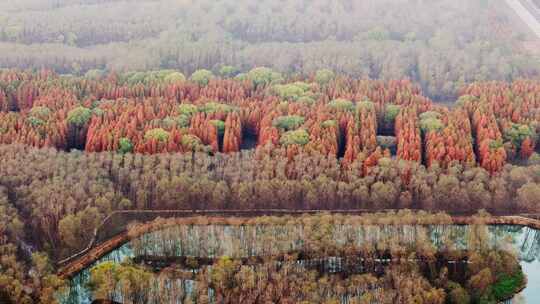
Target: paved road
x=525, y=15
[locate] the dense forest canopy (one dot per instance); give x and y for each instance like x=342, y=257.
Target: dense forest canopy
x=348, y=119
x=440, y=44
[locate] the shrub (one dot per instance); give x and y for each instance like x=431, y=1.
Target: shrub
x=430, y=114
x=220, y=125
x=135, y=78
x=283, y=106
x=191, y=142
x=40, y=112
x=263, y=76
x=297, y=137
x=324, y=76
x=366, y=105
x=431, y=124
x=166, y=123
x=457, y=294
x=79, y=116
x=97, y=103
x=228, y=71
x=94, y=74
x=387, y=142
x=378, y=33
x=534, y=159
x=183, y=121
x=187, y=109
x=202, y=77
x=303, y=85
x=308, y=100
x=517, y=133
x=34, y=121
x=158, y=134
x=241, y=77
x=97, y=112
x=291, y=91
x=287, y=123
x=161, y=74
x=329, y=123
x=214, y=107
x=174, y=77
x=125, y=145
x=495, y=144
x=430, y=121
x=466, y=99
x=506, y=285
x=342, y=104
x=391, y=113
x=154, y=77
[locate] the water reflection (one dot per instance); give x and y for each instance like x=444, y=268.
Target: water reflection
x=525, y=241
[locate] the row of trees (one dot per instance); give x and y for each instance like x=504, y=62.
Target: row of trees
x=313, y=237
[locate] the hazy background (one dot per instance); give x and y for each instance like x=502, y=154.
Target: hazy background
x=441, y=44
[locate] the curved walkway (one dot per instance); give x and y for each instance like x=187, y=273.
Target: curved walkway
x=92, y=253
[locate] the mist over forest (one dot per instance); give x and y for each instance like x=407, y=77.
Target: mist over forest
x=441, y=44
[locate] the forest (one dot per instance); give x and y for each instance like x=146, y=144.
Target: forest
x=441, y=44
x=250, y=106
x=74, y=149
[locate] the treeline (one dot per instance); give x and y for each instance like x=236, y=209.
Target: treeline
x=338, y=260
x=440, y=44
x=311, y=236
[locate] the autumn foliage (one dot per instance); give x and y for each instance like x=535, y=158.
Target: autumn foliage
x=492, y=123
